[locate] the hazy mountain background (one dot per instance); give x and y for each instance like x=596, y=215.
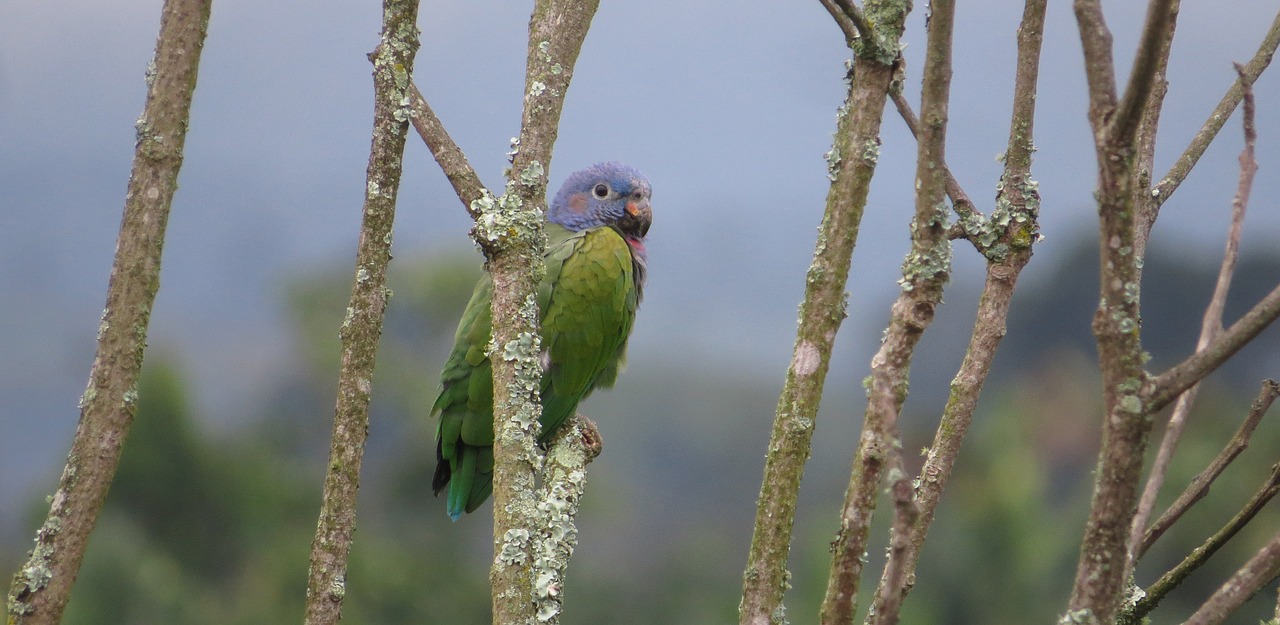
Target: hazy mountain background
x=728, y=107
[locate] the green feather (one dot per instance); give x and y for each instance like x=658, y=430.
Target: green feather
x=588, y=301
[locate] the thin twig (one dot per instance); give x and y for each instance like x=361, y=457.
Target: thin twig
x=1200, y=484
x=852, y=162
x=1210, y=327
x=924, y=273
x=960, y=200
x=1218, y=118
x=899, y=568
x=1019, y=203
x=42, y=586
x=864, y=28
x=447, y=153
x=360, y=331
x=1198, y=556
x=842, y=20
x=1098, y=64
x=1260, y=570
x=1152, y=54
x=1146, y=208
x=1168, y=385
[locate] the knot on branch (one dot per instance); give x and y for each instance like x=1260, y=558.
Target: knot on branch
x=503, y=223
x=1013, y=226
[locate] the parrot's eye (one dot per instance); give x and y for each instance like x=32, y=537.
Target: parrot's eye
x=601, y=191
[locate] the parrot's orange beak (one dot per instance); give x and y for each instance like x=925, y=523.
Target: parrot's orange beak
x=632, y=209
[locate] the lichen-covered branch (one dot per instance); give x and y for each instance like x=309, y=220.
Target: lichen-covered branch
x=924, y=273
x=851, y=162
x=362, y=327
x=1258, y=572
x=466, y=183
x=1210, y=327
x=510, y=231
x=1200, y=484
x=1006, y=239
x=564, y=479
x=42, y=585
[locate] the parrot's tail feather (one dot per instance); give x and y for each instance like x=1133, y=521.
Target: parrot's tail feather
x=460, y=481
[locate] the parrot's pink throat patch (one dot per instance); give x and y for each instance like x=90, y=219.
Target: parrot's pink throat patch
x=636, y=244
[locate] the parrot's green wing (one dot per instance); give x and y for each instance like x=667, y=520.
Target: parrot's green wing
x=588, y=301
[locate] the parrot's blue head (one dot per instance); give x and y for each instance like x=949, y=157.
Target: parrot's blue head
x=605, y=194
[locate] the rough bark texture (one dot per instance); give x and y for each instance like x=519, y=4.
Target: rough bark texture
x=1006, y=239
x=362, y=327
x=1102, y=572
x=924, y=273
x=42, y=586
x=852, y=162
x=510, y=231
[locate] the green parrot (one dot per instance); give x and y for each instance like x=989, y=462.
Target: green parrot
x=595, y=259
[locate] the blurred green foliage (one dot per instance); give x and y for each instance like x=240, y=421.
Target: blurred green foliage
x=204, y=528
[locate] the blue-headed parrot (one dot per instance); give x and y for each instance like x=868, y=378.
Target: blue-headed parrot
x=595, y=258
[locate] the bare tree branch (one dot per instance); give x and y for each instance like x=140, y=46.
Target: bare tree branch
x=447, y=153
x=924, y=273
x=842, y=20
x=360, y=331
x=510, y=231
x=1013, y=226
x=1168, y=385
x=1198, y=556
x=1152, y=596
x=899, y=568
x=1099, y=67
x=1218, y=118
x=960, y=200
x=852, y=163
x=1146, y=207
x=1199, y=485
x=1260, y=570
x=1148, y=64
x=42, y=586
x=1210, y=327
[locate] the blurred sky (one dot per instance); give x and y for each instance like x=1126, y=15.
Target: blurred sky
x=727, y=106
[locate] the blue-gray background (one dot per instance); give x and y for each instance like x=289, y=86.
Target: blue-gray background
x=727, y=106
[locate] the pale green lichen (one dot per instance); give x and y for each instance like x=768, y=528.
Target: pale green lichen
x=927, y=263
x=338, y=588
x=1083, y=616
x=564, y=481
x=871, y=152
x=532, y=174
x=512, y=551
x=833, y=162
x=503, y=218
x=35, y=574
x=886, y=18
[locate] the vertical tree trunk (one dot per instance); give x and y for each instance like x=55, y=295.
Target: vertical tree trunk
x=42, y=586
